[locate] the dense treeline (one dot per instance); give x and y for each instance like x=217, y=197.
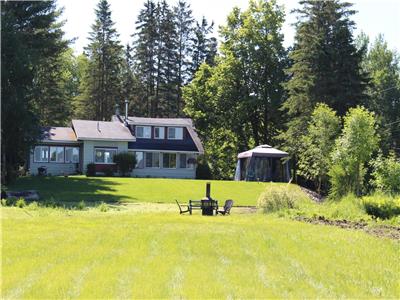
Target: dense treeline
x=251, y=91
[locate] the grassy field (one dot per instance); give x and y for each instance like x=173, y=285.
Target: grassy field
x=114, y=189
x=50, y=253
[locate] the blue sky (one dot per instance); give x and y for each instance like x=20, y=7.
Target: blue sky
x=373, y=17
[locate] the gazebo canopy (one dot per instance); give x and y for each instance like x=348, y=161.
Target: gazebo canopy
x=263, y=151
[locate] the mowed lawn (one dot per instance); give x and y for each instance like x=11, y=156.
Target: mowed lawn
x=49, y=253
x=117, y=189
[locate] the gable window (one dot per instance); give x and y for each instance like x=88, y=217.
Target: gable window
x=71, y=154
x=169, y=160
x=159, y=132
x=186, y=161
x=152, y=160
x=57, y=154
x=104, y=156
x=41, y=154
x=143, y=132
x=175, y=133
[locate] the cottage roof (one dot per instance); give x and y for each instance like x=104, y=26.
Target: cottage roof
x=100, y=130
x=168, y=122
x=156, y=121
x=263, y=151
x=58, y=134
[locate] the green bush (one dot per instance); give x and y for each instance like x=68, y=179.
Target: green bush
x=20, y=203
x=109, y=171
x=103, y=207
x=278, y=197
x=382, y=206
x=125, y=162
x=386, y=174
x=33, y=206
x=203, y=170
x=3, y=202
x=91, y=170
x=81, y=205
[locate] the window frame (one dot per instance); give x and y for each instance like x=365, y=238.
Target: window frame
x=135, y=153
x=145, y=160
x=65, y=154
x=142, y=137
x=103, y=149
x=174, y=138
x=163, y=132
x=169, y=153
x=188, y=156
x=41, y=161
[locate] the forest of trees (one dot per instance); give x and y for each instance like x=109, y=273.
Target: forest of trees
x=244, y=91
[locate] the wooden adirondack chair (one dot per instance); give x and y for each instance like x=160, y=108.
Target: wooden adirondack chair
x=182, y=211
x=227, y=208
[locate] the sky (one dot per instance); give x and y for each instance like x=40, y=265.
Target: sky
x=373, y=17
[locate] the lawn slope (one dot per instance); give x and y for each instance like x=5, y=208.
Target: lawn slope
x=90, y=254
x=116, y=189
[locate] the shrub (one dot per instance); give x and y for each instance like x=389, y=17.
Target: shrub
x=103, y=207
x=51, y=202
x=90, y=170
x=386, y=174
x=10, y=201
x=3, y=202
x=20, y=203
x=81, y=205
x=203, y=170
x=125, y=162
x=109, y=171
x=278, y=196
x=382, y=206
x=33, y=206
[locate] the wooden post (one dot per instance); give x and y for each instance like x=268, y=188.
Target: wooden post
x=208, y=190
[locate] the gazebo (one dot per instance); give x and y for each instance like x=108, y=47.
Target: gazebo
x=263, y=163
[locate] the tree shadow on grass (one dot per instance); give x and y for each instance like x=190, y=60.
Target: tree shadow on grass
x=64, y=190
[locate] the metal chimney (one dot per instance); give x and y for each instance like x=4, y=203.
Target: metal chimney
x=126, y=112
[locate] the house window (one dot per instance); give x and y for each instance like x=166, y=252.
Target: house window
x=41, y=154
x=159, y=132
x=104, y=156
x=57, y=154
x=152, y=160
x=169, y=160
x=143, y=132
x=71, y=154
x=139, y=160
x=185, y=161
x=175, y=133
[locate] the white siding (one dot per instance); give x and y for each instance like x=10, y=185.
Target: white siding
x=88, y=150
x=52, y=168
x=163, y=172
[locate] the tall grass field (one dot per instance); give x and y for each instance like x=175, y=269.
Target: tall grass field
x=57, y=253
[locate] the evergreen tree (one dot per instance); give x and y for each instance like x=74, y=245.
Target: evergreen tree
x=54, y=88
x=132, y=89
x=145, y=47
x=103, y=83
x=204, y=45
x=326, y=66
x=30, y=36
x=184, y=30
